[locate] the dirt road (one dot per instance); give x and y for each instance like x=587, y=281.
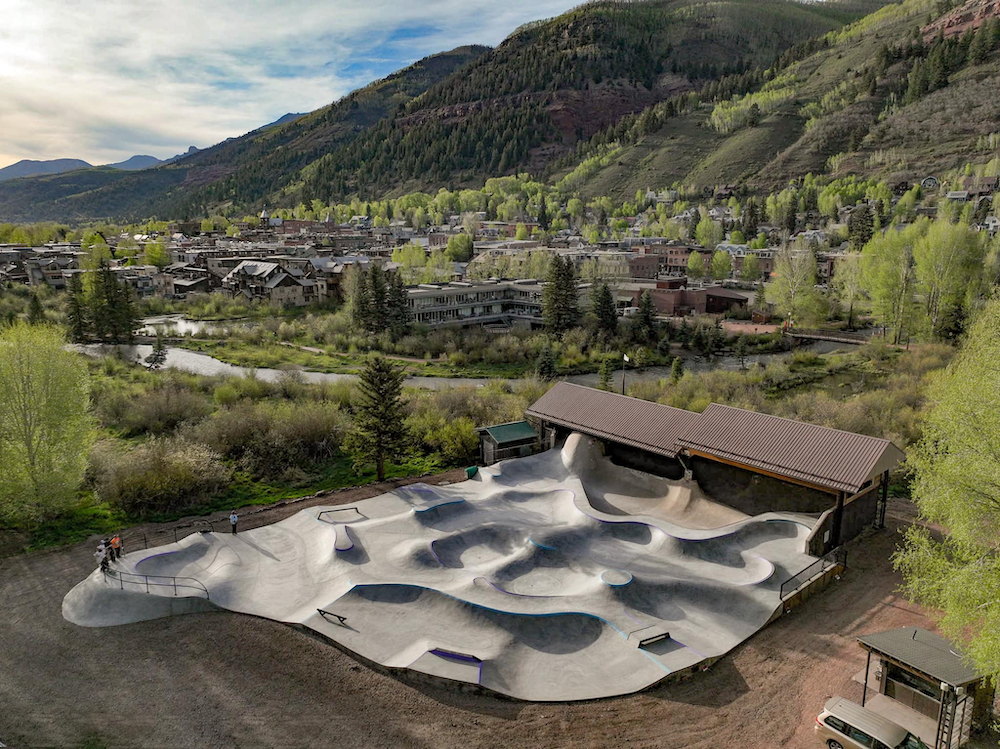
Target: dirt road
x=223, y=679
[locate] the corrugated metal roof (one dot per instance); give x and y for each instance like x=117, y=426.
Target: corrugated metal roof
x=925, y=651
x=513, y=432
x=818, y=455
x=631, y=421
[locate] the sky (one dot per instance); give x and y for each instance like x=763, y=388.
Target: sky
x=103, y=80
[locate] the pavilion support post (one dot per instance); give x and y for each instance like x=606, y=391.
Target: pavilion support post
x=868, y=665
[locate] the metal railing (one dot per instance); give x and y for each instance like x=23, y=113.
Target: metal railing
x=153, y=583
x=837, y=557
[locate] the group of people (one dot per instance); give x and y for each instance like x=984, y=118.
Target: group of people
x=109, y=550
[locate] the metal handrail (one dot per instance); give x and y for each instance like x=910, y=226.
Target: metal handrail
x=151, y=581
x=832, y=559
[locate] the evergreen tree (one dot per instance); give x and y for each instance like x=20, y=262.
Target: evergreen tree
x=77, y=309
x=158, y=356
x=644, y=322
x=378, y=315
x=125, y=313
x=543, y=214
x=605, y=312
x=546, y=363
x=860, y=226
x=606, y=374
x=791, y=218
x=560, y=306
x=36, y=314
x=676, y=371
x=398, y=306
x=741, y=349
x=379, y=431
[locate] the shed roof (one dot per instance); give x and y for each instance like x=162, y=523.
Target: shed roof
x=925, y=651
x=631, y=421
x=515, y=431
x=831, y=458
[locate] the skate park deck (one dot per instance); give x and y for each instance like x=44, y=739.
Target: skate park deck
x=560, y=576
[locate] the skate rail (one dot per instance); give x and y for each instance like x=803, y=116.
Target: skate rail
x=153, y=584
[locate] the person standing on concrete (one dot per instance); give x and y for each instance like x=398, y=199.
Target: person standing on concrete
x=233, y=519
x=116, y=548
x=101, y=555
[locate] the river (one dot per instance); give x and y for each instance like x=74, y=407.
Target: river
x=203, y=364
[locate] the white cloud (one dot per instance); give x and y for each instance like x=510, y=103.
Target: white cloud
x=102, y=80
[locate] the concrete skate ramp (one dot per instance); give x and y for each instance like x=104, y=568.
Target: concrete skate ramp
x=560, y=576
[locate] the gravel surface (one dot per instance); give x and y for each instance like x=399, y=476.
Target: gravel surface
x=224, y=680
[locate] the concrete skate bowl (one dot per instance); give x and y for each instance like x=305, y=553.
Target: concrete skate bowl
x=520, y=654
x=532, y=579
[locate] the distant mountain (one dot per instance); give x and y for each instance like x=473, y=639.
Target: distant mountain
x=136, y=162
x=30, y=168
x=172, y=159
x=290, y=117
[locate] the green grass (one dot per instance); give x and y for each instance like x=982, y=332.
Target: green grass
x=92, y=517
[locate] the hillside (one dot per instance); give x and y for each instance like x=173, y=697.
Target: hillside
x=460, y=117
x=256, y=164
x=552, y=83
x=852, y=106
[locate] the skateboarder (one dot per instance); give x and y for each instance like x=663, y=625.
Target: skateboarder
x=233, y=519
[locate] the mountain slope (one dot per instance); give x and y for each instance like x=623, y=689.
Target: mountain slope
x=552, y=83
x=848, y=107
x=30, y=168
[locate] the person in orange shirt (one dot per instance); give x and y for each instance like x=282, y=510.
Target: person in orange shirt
x=116, y=547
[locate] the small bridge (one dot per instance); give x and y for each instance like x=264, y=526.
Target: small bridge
x=837, y=336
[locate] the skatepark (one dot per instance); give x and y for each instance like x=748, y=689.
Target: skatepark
x=556, y=577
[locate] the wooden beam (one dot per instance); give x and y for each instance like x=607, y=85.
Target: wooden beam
x=762, y=471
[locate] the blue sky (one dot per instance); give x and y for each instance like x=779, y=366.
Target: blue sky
x=102, y=80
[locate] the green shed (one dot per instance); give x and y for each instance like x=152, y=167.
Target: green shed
x=502, y=441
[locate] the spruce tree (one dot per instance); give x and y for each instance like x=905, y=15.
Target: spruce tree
x=158, y=356
x=546, y=363
x=77, y=309
x=36, y=314
x=605, y=312
x=543, y=214
x=645, y=317
x=860, y=227
x=398, y=306
x=676, y=371
x=606, y=374
x=378, y=317
x=379, y=431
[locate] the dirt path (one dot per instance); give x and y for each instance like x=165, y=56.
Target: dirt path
x=224, y=679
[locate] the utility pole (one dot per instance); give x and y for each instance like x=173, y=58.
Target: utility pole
x=624, y=359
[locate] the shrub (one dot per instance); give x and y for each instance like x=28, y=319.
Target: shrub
x=269, y=439
x=158, y=476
